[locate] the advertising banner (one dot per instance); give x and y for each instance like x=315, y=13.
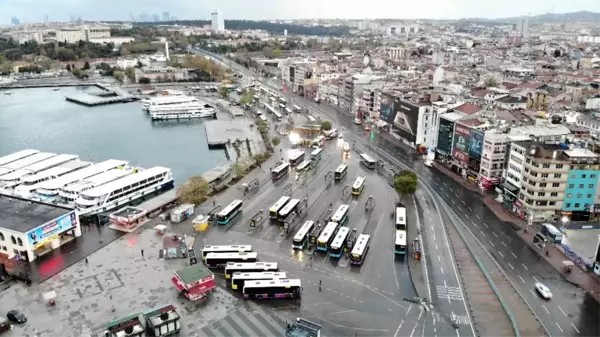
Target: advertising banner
x=407, y=119
x=51, y=230
x=476, y=143
x=461, y=143
x=386, y=109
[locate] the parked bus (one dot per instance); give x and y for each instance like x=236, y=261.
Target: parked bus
x=233, y=267
x=400, y=244
x=277, y=115
x=341, y=216
x=339, y=242
x=304, y=166
x=262, y=118
x=327, y=236
x=229, y=212
x=316, y=155
x=288, y=111
x=238, y=279
x=367, y=161
x=401, y=218
x=319, y=141
x=274, y=210
x=301, y=238
x=225, y=249
x=296, y=157
x=282, y=107
x=239, y=91
x=280, y=171
x=358, y=186
x=286, y=288
x=288, y=209
x=297, y=108
x=340, y=171
x=219, y=260
x=360, y=250
x=269, y=109
x=282, y=101
x=315, y=233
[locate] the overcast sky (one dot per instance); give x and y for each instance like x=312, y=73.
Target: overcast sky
x=61, y=10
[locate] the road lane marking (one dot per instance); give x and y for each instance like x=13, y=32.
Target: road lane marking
x=543, y=306
x=574, y=327
x=454, y=202
x=445, y=286
x=322, y=303
x=536, y=280
x=491, y=243
x=436, y=247
x=442, y=269
x=513, y=254
x=534, y=295
x=398, y=330
x=504, y=244
x=433, y=237
x=561, y=330
x=482, y=233
x=431, y=227
x=439, y=260
x=496, y=235
x=485, y=225
x=499, y=252
x=387, y=298
x=430, y=220
x=477, y=215
x=511, y=266
x=524, y=266
x=561, y=310
x=522, y=280
x=467, y=216
x=464, y=203
x=470, y=209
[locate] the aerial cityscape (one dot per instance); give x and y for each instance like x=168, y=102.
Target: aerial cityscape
x=299, y=169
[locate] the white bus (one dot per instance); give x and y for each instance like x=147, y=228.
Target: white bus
x=238, y=278
x=304, y=166
x=311, y=119
x=360, y=250
x=296, y=157
x=269, y=108
x=319, y=141
x=316, y=154
x=256, y=98
x=339, y=242
x=233, y=267
x=231, y=211
x=327, y=235
x=358, y=186
x=220, y=260
x=288, y=209
x=288, y=111
x=282, y=107
x=264, y=289
x=341, y=216
x=225, y=249
x=274, y=210
x=340, y=171
x=277, y=115
x=400, y=218
x=262, y=118
x=280, y=171
x=301, y=238
x=367, y=161
x=400, y=243
x=297, y=108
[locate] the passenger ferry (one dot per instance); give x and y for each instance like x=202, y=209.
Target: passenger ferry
x=24, y=162
x=4, y=160
x=123, y=191
x=30, y=183
x=163, y=101
x=11, y=180
x=71, y=192
x=182, y=111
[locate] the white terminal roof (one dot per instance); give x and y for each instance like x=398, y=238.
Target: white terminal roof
x=579, y=152
x=541, y=130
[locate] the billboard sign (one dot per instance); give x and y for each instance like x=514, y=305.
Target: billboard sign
x=461, y=143
x=476, y=143
x=407, y=120
x=386, y=109
x=51, y=230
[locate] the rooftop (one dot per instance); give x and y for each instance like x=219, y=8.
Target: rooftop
x=579, y=152
x=193, y=273
x=22, y=215
x=468, y=109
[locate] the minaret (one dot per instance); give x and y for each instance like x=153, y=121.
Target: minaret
x=167, y=50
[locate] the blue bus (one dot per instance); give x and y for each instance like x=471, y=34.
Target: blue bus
x=339, y=243
x=231, y=211
x=327, y=236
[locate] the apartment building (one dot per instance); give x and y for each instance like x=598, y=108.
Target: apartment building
x=581, y=190
x=351, y=94
x=83, y=33
x=299, y=74
x=513, y=174
x=493, y=158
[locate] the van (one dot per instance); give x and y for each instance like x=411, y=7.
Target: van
x=539, y=239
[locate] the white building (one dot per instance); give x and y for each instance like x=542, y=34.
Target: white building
x=218, y=23
x=83, y=33
x=493, y=157
x=396, y=53
x=514, y=166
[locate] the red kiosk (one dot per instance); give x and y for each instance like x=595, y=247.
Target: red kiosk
x=194, y=282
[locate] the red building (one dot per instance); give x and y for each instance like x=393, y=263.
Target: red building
x=194, y=281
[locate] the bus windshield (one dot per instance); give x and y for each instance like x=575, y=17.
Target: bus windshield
x=367, y=161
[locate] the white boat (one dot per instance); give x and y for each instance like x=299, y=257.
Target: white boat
x=30, y=183
x=12, y=179
x=8, y=93
x=71, y=192
x=51, y=188
x=24, y=162
x=182, y=111
x=124, y=191
x=9, y=158
x=163, y=101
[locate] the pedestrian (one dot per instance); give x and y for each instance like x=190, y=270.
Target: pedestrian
x=86, y=260
x=142, y=253
x=320, y=283
x=214, y=203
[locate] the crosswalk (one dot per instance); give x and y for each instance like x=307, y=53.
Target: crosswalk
x=450, y=293
x=246, y=322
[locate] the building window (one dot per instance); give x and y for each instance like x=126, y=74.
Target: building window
x=568, y=205
x=571, y=185
x=580, y=185
x=554, y=194
x=4, y=248
x=579, y=195
x=558, y=166
x=543, y=184
x=557, y=175
x=591, y=186
x=555, y=184
x=544, y=175
x=552, y=203
x=576, y=205
x=546, y=166
x=541, y=194
x=13, y=240
x=583, y=175
x=1, y=237
x=592, y=176
x=20, y=242
x=569, y=195
x=573, y=176
x=589, y=196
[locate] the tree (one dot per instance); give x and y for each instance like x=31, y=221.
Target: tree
x=76, y=72
x=224, y=92
x=194, y=191
x=406, y=183
x=130, y=73
x=119, y=76
x=325, y=125
x=68, y=67
x=268, y=52
x=144, y=80
x=240, y=168
x=276, y=141
x=277, y=52
x=490, y=82
x=245, y=99
x=86, y=65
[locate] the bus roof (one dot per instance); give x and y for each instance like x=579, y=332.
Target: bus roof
x=295, y=154
x=340, y=213
x=358, y=182
x=316, y=151
x=250, y=265
x=366, y=157
x=273, y=283
x=293, y=203
x=327, y=232
x=341, y=235
x=227, y=248
x=304, y=164
x=282, y=201
x=401, y=237
x=258, y=275
x=341, y=168
x=306, y=227
x=230, y=207
x=361, y=244
x=232, y=255
x=281, y=167
x=400, y=215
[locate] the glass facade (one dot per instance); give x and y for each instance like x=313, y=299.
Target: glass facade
x=445, y=137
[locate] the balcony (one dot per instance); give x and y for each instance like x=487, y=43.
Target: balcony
x=550, y=179
x=547, y=189
x=541, y=169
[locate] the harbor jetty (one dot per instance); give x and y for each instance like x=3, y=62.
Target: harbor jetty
x=109, y=95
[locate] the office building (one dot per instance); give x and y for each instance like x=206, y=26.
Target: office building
x=218, y=23
x=581, y=190
x=166, y=16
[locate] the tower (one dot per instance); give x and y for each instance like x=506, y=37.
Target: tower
x=167, y=50
x=218, y=24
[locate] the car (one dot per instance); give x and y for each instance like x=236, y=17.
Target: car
x=356, y=121
x=429, y=163
x=346, y=147
x=543, y=290
x=16, y=316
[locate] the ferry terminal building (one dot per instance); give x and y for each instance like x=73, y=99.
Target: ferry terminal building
x=29, y=229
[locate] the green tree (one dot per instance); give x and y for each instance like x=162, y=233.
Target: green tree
x=119, y=76
x=245, y=99
x=277, y=52
x=194, y=191
x=240, y=169
x=326, y=125
x=130, y=73
x=406, y=183
x=224, y=92
x=144, y=80
x=276, y=141
x=490, y=82
x=76, y=72
x=86, y=65
x=268, y=52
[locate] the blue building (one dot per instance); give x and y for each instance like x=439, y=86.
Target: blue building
x=582, y=184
